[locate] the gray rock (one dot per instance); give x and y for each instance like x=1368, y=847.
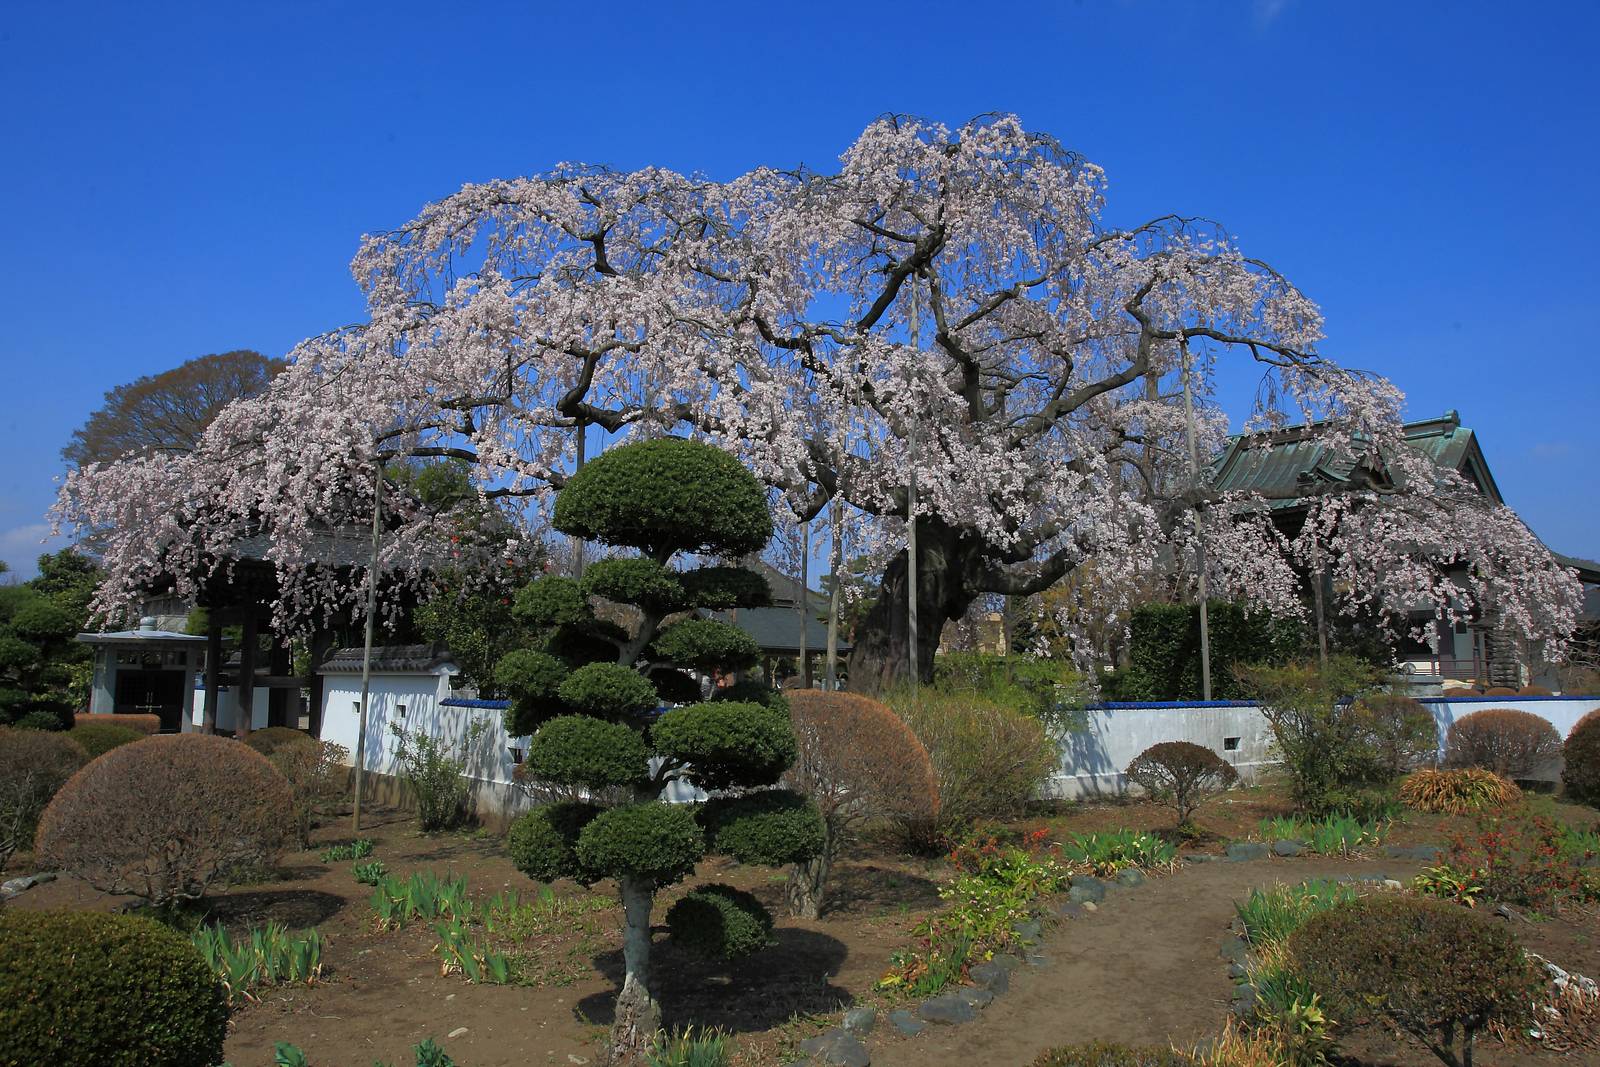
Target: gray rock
x=1201, y=857
x=908, y=1024
x=1237, y=970
x=1028, y=931
x=1006, y=960
x=13, y=886
x=1393, y=884
x=1036, y=960
x=1422, y=853
x=1130, y=876
x=1086, y=889
x=947, y=1009
x=988, y=976
x=1241, y=851
x=1511, y=914
x=1244, y=999
x=1234, y=948
x=1286, y=847
x=1070, y=910
x=836, y=1049
x=861, y=1020
x=978, y=998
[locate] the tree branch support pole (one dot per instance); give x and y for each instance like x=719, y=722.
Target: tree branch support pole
x=1199, y=533
x=911, y=504
x=578, y=547
x=208, y=715
x=833, y=595
x=245, y=719
x=366, y=645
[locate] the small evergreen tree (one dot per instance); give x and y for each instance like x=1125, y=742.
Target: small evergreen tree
x=584, y=694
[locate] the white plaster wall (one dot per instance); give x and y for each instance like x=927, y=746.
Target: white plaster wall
x=418, y=693
x=1093, y=760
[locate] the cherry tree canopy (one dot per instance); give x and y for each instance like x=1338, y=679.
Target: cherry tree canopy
x=947, y=303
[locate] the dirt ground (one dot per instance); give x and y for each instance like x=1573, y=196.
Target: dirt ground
x=1143, y=969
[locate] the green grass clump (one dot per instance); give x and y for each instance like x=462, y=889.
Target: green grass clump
x=1271, y=915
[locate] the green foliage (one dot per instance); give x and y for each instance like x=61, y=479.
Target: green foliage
x=638, y=581
x=43, y=669
x=1331, y=835
x=753, y=691
x=269, y=740
x=34, y=765
x=477, y=624
x=549, y=602
x=543, y=843
x=266, y=955
x=1108, y=852
x=666, y=495
x=770, y=827
x=1047, y=689
x=595, y=641
x=108, y=990
x=686, y=1048
x=705, y=645
x=1325, y=743
x=1108, y=1054
x=460, y=952
x=424, y=896
x=726, y=743
x=1271, y=915
x=608, y=691
x=358, y=849
x=1438, y=972
x=427, y=1052
x=371, y=873
x=433, y=768
x=1520, y=857
x=1164, y=650
x=532, y=679
x=585, y=751
x=40, y=719
x=719, y=588
x=654, y=842
x=100, y=737
x=1447, y=883
x=719, y=922
x=1581, y=755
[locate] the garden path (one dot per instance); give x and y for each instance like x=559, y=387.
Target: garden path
x=1143, y=969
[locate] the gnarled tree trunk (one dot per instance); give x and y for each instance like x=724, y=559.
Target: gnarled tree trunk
x=808, y=881
x=947, y=561
x=638, y=1019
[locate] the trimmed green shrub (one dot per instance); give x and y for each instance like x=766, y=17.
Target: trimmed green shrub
x=532, y=679
x=753, y=691
x=1164, y=650
x=770, y=827
x=1581, y=774
x=608, y=691
x=1180, y=774
x=1106, y=1054
x=1513, y=744
x=108, y=990
x=636, y=580
x=543, y=843
x=167, y=817
x=666, y=495
x=1439, y=972
x=34, y=765
x=42, y=720
x=719, y=922
x=721, y=588
x=582, y=750
x=551, y=601
x=726, y=743
x=269, y=740
x=98, y=738
x=655, y=843
x=705, y=645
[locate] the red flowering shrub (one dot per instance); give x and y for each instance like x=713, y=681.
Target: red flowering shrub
x=1512, y=744
x=1517, y=858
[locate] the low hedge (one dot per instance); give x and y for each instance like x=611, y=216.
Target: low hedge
x=108, y=990
x=98, y=738
x=145, y=724
x=1581, y=774
x=268, y=740
x=719, y=922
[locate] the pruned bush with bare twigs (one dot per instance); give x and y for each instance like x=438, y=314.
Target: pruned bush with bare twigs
x=1512, y=744
x=1181, y=774
x=857, y=761
x=167, y=817
x=34, y=764
x=317, y=773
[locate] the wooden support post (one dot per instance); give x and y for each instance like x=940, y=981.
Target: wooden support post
x=283, y=705
x=246, y=703
x=208, y=717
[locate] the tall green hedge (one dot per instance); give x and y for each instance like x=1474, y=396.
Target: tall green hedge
x=1164, y=650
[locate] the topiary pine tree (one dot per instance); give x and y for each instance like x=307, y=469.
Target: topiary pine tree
x=588, y=692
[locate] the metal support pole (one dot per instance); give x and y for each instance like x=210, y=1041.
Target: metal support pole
x=1199, y=533
x=366, y=646
x=578, y=546
x=911, y=507
x=833, y=595
x=803, y=602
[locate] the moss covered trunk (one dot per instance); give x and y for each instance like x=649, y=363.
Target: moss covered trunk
x=808, y=881
x=947, y=563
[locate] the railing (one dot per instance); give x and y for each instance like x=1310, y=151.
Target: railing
x=1457, y=670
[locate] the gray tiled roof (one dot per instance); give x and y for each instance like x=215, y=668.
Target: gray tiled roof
x=394, y=659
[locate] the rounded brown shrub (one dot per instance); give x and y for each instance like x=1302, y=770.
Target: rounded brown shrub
x=34, y=764
x=166, y=817
x=1512, y=744
x=1499, y=691
x=316, y=772
x=856, y=760
x=1399, y=732
x=1435, y=970
x=1457, y=792
x=1534, y=691
x=272, y=738
x=145, y=724
x=1581, y=775
x=1180, y=774
x=106, y=990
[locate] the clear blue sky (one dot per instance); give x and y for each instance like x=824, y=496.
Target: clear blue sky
x=183, y=180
